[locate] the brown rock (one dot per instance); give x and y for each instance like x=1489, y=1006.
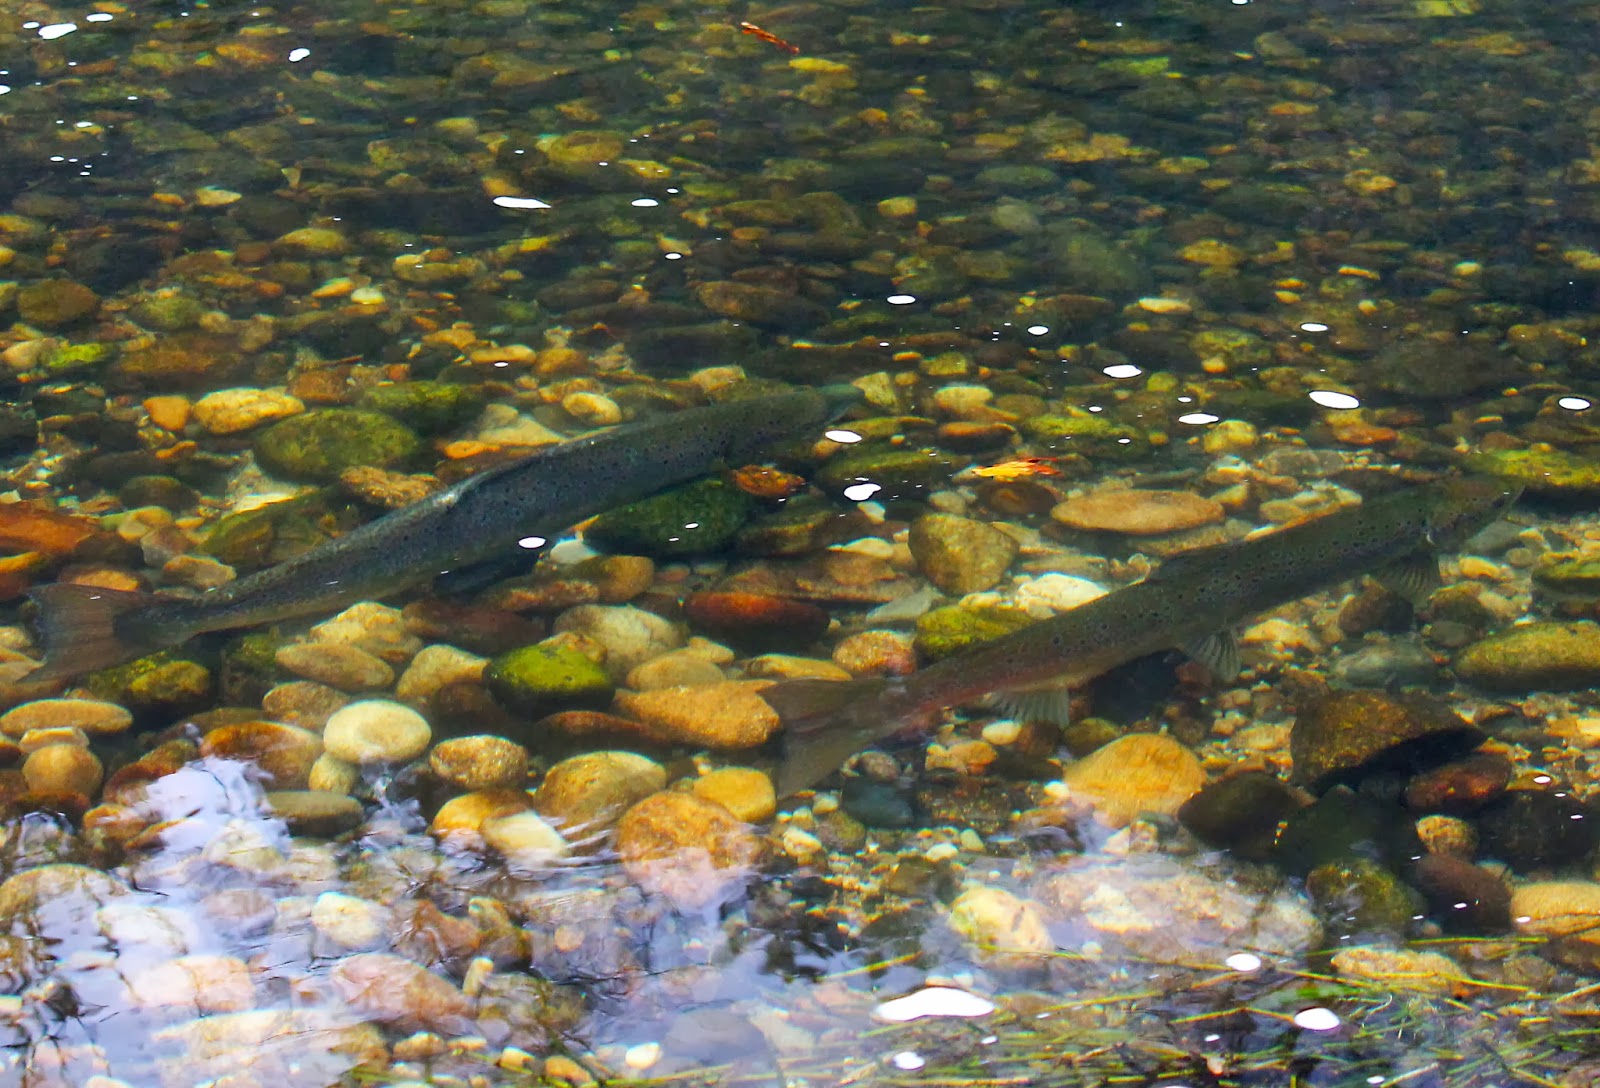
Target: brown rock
x=28, y=528
x=284, y=753
x=198, y=984
x=876, y=653
x=90, y=715
x=960, y=555
x=397, y=992
x=1141, y=772
x=480, y=630
x=1344, y=734
x=591, y=790
x=692, y=851
x=63, y=768
x=480, y=762
x=756, y=622
x=305, y=703
x=460, y=818
x=731, y=714
x=1137, y=513
x=1461, y=785
x=743, y=791
x=56, y=303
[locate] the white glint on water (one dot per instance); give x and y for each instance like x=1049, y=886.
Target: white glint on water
x=1329, y=399
x=56, y=30
x=934, y=1001
x=298, y=55
x=645, y=202
x=532, y=542
x=1198, y=419
x=908, y=1060
x=901, y=300
x=1122, y=370
x=1243, y=961
x=1575, y=404
x=861, y=492
x=842, y=436
x=1316, y=1018
x=519, y=202
x=1313, y=326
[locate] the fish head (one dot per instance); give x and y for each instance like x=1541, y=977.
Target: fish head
x=1466, y=504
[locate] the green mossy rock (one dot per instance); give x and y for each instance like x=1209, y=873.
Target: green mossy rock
x=899, y=472
x=252, y=539
x=428, y=407
x=1534, y=657
x=63, y=358
x=695, y=519
x=169, y=313
x=1541, y=471
x=547, y=677
x=56, y=303
x=158, y=687
x=943, y=631
x=320, y=444
x=1357, y=895
x=1567, y=578
x=1088, y=433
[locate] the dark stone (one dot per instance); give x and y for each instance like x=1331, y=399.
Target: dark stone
x=1341, y=825
x=1361, y=896
x=877, y=804
x=1537, y=829
x=1344, y=736
x=1463, y=897
x=1460, y=786
x=1241, y=814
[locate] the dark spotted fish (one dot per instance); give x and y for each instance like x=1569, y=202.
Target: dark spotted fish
x=1192, y=602
x=478, y=521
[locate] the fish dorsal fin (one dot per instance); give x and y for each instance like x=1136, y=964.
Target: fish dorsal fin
x=1218, y=652
x=1415, y=577
x=1039, y=704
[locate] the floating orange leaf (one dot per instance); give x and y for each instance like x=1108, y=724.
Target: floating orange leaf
x=767, y=483
x=769, y=37
x=1018, y=469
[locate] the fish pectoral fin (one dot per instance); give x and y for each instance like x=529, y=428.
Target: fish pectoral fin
x=1415, y=577
x=471, y=577
x=1048, y=703
x=1218, y=652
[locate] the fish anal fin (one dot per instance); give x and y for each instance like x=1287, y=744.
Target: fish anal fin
x=1218, y=652
x=1043, y=703
x=1414, y=577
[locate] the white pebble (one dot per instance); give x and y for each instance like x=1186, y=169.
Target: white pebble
x=376, y=731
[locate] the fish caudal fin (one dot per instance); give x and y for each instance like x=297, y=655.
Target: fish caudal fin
x=825, y=722
x=78, y=627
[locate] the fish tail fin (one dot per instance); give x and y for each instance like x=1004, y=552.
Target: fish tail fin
x=825, y=722
x=80, y=628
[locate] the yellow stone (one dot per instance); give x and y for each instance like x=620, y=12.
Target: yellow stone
x=1143, y=772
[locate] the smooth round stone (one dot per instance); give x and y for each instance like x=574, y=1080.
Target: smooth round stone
x=436, y=667
x=284, y=753
x=1558, y=908
x=460, y=819
x=305, y=703
x=525, y=840
x=1137, y=513
x=203, y=984
x=337, y=665
x=1142, y=772
x=315, y=812
x=730, y=714
x=376, y=731
x=1000, y=928
x=689, y=850
x=90, y=715
x=480, y=762
x=591, y=790
x=229, y=411
x=63, y=768
x=393, y=990
x=351, y=923
x=743, y=791
x=331, y=774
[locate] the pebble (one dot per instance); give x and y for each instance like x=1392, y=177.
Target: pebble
x=676, y=669
x=729, y=714
x=460, y=819
x=350, y=923
x=969, y=402
x=960, y=555
x=482, y=762
x=689, y=850
x=333, y=775
x=790, y=667
x=595, y=409
x=590, y=791
x=800, y=844
x=435, y=667
x=202, y=985
x=876, y=653
x=283, y=753
x=1048, y=594
x=1137, y=513
x=525, y=840
x=1402, y=970
x=743, y=791
x=630, y=635
x=323, y=813
x=230, y=411
x=92, y=716
x=335, y=664
x=376, y=628
x=1001, y=929
x=305, y=703
x=376, y=731
x=63, y=768
x=397, y=992
x=1557, y=908
x=1142, y=772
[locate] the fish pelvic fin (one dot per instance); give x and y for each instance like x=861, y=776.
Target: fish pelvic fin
x=825, y=722
x=81, y=629
x=1043, y=703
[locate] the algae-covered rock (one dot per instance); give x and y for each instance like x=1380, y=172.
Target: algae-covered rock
x=960, y=555
x=63, y=357
x=1534, y=657
x=943, y=631
x=185, y=360
x=1089, y=433
x=320, y=444
x=897, y=471
x=1343, y=824
x=162, y=685
x=169, y=313
x=57, y=303
x=1568, y=578
x=1357, y=895
x=251, y=539
x=547, y=676
x=1344, y=735
x=694, y=519
x=428, y=407
x=1541, y=470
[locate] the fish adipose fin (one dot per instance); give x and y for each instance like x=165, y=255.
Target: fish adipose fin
x=1415, y=577
x=80, y=629
x=1042, y=704
x=1218, y=652
x=825, y=722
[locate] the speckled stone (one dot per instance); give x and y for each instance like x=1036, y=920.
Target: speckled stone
x=376, y=731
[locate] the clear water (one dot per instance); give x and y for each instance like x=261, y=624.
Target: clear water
x=1272, y=252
